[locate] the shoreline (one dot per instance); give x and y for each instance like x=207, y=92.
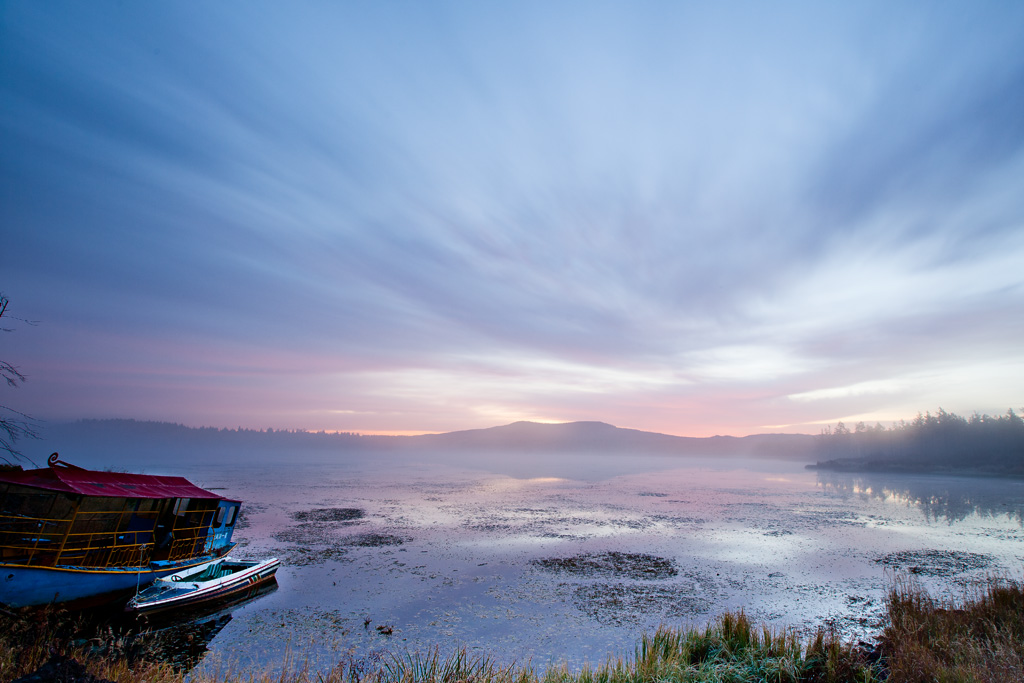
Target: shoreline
x=923, y=638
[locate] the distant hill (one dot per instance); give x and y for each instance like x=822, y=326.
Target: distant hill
x=123, y=438
x=569, y=436
x=605, y=438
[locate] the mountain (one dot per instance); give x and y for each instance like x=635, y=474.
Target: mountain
x=600, y=437
x=168, y=439
x=568, y=436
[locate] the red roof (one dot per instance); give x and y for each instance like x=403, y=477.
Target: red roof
x=60, y=476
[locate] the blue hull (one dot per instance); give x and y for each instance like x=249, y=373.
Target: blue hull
x=22, y=586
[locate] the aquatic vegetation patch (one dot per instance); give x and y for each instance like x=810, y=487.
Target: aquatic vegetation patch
x=305, y=557
x=618, y=564
x=316, y=535
x=307, y=534
x=374, y=540
x=678, y=520
x=631, y=603
x=563, y=537
x=329, y=515
x=936, y=562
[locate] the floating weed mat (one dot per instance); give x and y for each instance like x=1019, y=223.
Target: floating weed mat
x=316, y=538
x=374, y=540
x=621, y=603
x=935, y=562
x=638, y=566
x=329, y=515
x=980, y=639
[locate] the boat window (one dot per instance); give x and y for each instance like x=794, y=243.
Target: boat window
x=31, y=505
x=181, y=505
x=232, y=513
x=220, y=516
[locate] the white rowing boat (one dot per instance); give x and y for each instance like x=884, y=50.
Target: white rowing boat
x=205, y=583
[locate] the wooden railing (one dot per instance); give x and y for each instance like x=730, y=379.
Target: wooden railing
x=45, y=542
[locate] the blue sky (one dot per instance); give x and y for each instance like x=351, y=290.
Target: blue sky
x=693, y=218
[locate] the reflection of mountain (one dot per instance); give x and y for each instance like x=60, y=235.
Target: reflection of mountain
x=115, y=441
x=939, y=498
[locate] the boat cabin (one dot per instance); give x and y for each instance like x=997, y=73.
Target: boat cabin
x=67, y=516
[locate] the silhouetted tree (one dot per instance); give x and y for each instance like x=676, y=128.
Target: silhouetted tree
x=14, y=424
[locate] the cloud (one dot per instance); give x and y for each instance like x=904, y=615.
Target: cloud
x=653, y=213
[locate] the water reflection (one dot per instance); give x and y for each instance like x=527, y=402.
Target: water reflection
x=180, y=638
x=451, y=552
x=945, y=499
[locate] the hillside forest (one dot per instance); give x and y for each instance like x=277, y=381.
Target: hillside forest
x=940, y=442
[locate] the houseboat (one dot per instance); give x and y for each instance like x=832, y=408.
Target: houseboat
x=81, y=537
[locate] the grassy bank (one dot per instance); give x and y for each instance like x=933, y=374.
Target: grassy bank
x=978, y=638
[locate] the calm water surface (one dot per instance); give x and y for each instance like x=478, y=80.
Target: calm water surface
x=562, y=558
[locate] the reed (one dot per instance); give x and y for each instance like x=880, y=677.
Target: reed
x=979, y=638
x=730, y=649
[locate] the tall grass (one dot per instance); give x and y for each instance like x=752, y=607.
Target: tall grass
x=29, y=640
x=980, y=638
x=730, y=649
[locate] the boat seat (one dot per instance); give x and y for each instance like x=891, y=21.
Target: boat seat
x=216, y=571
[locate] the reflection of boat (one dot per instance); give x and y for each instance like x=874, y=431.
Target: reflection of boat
x=78, y=536
x=181, y=637
x=209, y=582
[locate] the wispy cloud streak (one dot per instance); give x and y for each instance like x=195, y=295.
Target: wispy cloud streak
x=691, y=219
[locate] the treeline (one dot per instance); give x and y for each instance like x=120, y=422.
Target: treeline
x=167, y=429
x=147, y=432
x=940, y=442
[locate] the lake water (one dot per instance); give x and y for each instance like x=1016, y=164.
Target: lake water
x=560, y=558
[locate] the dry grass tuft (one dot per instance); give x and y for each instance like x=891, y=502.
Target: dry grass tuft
x=981, y=639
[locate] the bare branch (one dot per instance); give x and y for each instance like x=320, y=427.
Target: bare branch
x=14, y=425
x=10, y=374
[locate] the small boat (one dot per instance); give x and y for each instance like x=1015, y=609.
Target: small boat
x=79, y=537
x=212, y=581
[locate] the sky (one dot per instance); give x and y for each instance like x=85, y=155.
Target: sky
x=693, y=218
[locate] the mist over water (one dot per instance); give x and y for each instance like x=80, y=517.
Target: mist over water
x=569, y=558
